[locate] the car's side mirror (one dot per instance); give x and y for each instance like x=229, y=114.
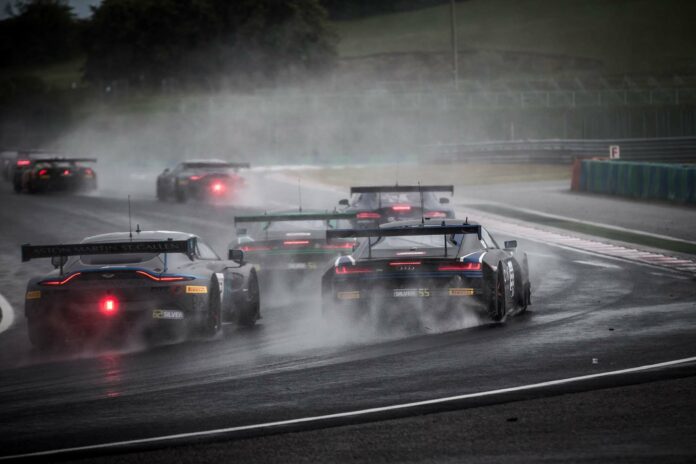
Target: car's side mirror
x=236, y=255
x=343, y=202
x=59, y=261
x=444, y=201
x=511, y=244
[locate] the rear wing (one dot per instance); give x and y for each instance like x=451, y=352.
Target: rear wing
x=239, y=165
x=293, y=217
x=405, y=231
x=64, y=160
x=403, y=189
x=107, y=248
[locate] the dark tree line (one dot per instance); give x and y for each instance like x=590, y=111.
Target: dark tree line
x=193, y=41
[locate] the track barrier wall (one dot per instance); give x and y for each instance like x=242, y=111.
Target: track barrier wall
x=646, y=181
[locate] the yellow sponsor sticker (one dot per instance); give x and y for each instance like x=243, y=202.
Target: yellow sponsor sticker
x=352, y=295
x=196, y=289
x=459, y=291
x=34, y=294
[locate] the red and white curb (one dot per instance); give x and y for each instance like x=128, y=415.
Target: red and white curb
x=593, y=246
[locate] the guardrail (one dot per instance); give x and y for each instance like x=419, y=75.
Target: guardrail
x=668, y=150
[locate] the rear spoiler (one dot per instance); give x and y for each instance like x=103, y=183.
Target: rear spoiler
x=64, y=160
x=293, y=217
x=403, y=189
x=239, y=165
x=107, y=248
x=405, y=231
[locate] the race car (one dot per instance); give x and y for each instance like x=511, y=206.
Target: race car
x=60, y=174
x=289, y=245
x=375, y=205
x=158, y=283
x=200, y=180
x=437, y=264
x=18, y=161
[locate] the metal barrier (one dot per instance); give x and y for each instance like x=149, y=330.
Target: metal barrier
x=668, y=150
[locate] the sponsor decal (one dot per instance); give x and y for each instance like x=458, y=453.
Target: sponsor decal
x=411, y=292
x=34, y=294
x=352, y=295
x=167, y=314
x=460, y=291
x=196, y=289
x=297, y=266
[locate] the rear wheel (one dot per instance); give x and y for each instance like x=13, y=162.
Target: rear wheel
x=180, y=194
x=496, y=296
x=249, y=310
x=213, y=319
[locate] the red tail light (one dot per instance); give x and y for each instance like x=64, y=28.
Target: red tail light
x=337, y=246
x=368, y=215
x=435, y=214
x=217, y=187
x=108, y=306
x=89, y=172
x=460, y=267
x=295, y=242
x=352, y=270
x=23, y=162
x=43, y=172
x=163, y=278
x=194, y=177
x=66, y=172
x=405, y=263
x=401, y=207
x=58, y=281
x=246, y=248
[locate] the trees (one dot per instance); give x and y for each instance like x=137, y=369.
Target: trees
x=145, y=41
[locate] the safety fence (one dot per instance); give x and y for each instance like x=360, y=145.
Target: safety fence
x=647, y=181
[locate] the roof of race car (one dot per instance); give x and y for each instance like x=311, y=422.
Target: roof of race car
x=206, y=161
x=139, y=236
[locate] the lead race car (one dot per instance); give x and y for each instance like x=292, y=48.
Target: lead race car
x=290, y=245
x=375, y=205
x=110, y=284
x=451, y=262
x=203, y=179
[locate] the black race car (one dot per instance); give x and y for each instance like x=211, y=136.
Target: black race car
x=445, y=263
x=57, y=174
x=15, y=163
x=110, y=284
x=200, y=180
x=289, y=245
x=375, y=205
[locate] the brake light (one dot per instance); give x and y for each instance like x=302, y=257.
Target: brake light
x=352, y=270
x=368, y=215
x=66, y=172
x=108, y=306
x=295, y=242
x=460, y=267
x=337, y=246
x=163, y=278
x=60, y=282
x=217, y=187
x=195, y=177
x=401, y=207
x=405, y=263
x=435, y=214
x=43, y=172
x=23, y=162
x=246, y=248
x=89, y=172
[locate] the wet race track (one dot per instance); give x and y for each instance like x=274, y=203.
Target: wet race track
x=590, y=315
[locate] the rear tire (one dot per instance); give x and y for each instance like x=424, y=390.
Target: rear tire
x=496, y=297
x=249, y=310
x=180, y=194
x=213, y=319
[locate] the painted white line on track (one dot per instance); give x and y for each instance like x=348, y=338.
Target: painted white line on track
x=7, y=313
x=597, y=264
x=349, y=414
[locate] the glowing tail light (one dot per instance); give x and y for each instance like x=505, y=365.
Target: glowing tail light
x=23, y=162
x=66, y=172
x=108, y=306
x=368, y=215
x=59, y=281
x=401, y=207
x=435, y=214
x=246, y=248
x=341, y=270
x=405, y=263
x=163, y=278
x=338, y=246
x=89, y=172
x=295, y=242
x=460, y=267
x=194, y=177
x=217, y=187
x=43, y=172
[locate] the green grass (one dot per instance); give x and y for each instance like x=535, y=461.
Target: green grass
x=628, y=35
x=59, y=76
